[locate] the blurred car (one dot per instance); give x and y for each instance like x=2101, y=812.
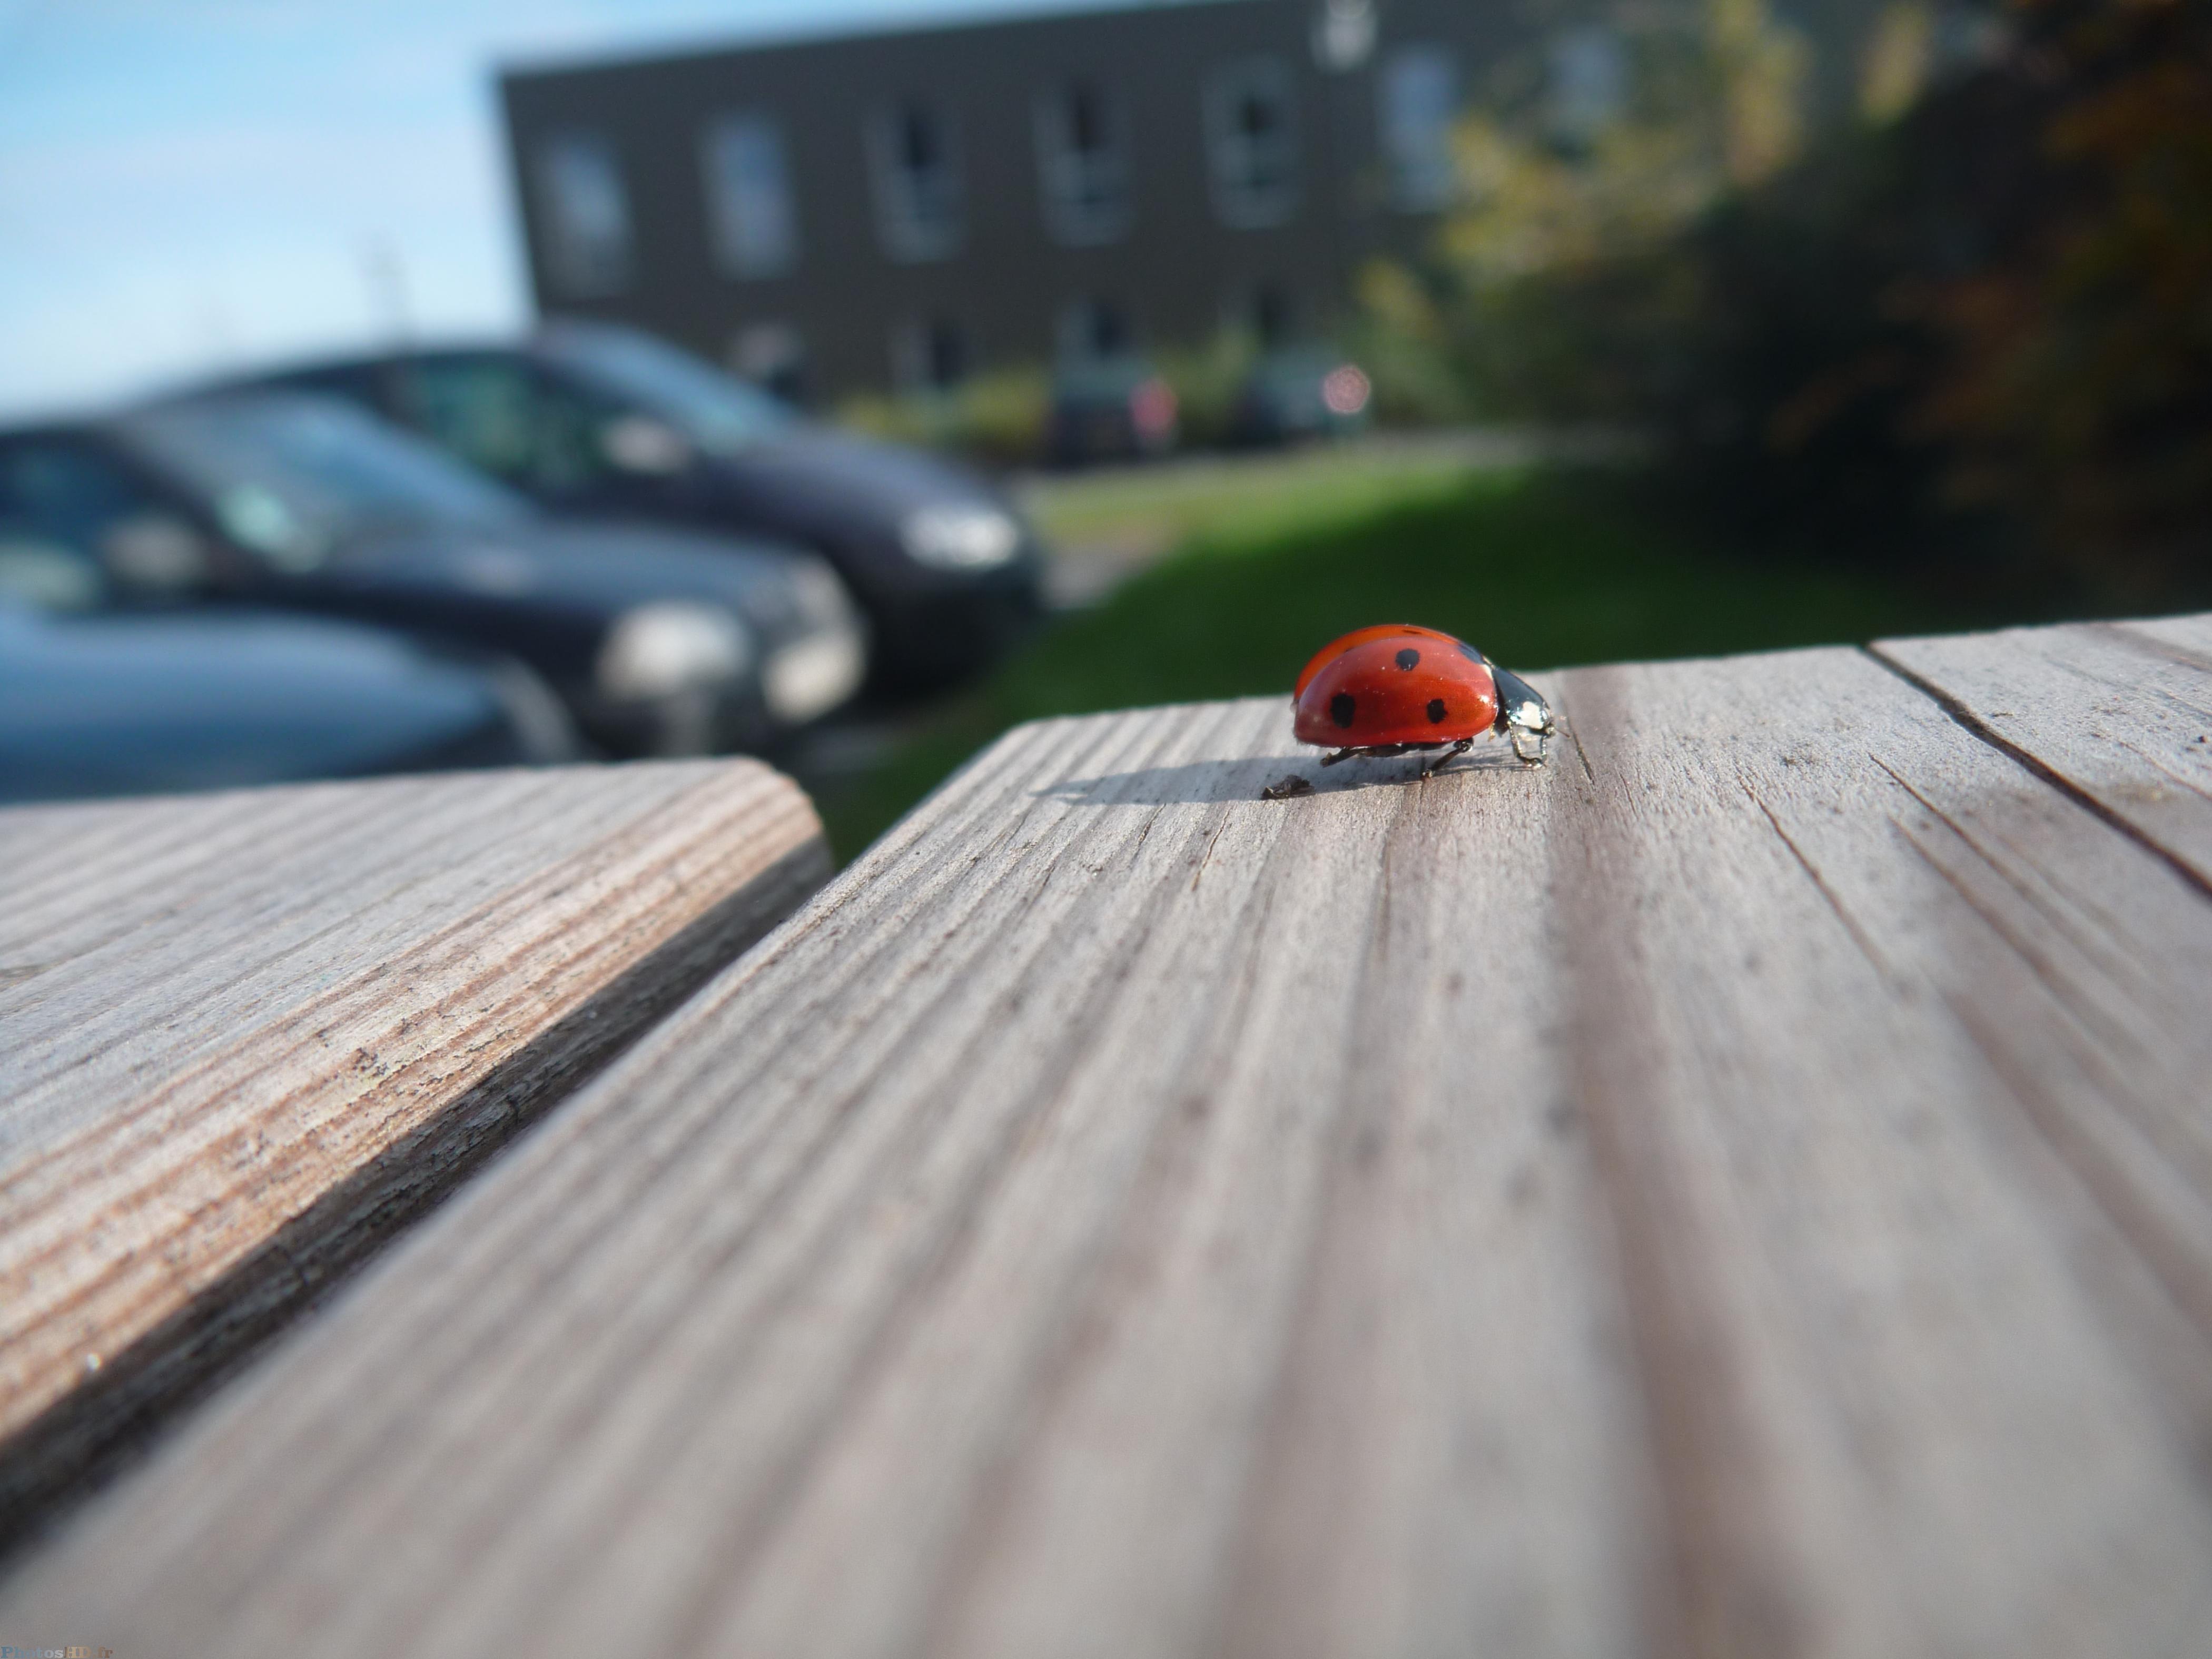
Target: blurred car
x=1110, y=409
x=97, y=703
x=600, y=421
x=1300, y=392
x=659, y=642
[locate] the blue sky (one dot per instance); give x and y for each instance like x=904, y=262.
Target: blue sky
x=188, y=185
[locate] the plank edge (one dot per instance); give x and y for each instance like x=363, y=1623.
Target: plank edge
x=113, y=1419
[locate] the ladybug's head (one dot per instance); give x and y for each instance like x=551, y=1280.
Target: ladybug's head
x=1523, y=716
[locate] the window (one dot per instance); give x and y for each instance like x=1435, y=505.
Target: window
x=1082, y=165
x=929, y=356
x=499, y=414
x=647, y=376
x=1343, y=33
x=1091, y=330
x=586, y=215
x=1252, y=144
x=357, y=383
x=913, y=157
x=749, y=205
x=1268, y=313
x=1588, y=83
x=292, y=478
x=773, y=356
x=65, y=493
x=1419, y=103
x=66, y=512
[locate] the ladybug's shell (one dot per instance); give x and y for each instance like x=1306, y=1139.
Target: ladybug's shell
x=1383, y=686
x=1337, y=648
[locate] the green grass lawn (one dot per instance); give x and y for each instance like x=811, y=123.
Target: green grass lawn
x=1540, y=570
x=1246, y=497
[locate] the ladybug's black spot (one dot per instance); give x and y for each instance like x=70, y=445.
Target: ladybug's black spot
x=1436, y=711
x=1408, y=656
x=1341, y=709
x=1468, y=651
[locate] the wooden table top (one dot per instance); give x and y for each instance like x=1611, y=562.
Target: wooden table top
x=246, y=1038
x=1742, y=1188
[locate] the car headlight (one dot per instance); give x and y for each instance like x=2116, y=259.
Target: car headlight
x=811, y=675
x=960, y=538
x=819, y=596
x=659, y=650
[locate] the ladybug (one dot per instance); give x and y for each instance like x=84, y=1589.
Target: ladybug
x=1395, y=689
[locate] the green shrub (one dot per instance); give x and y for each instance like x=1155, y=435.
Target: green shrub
x=1207, y=379
x=998, y=417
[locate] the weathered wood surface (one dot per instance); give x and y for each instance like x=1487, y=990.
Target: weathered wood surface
x=2116, y=714
x=245, y=1036
x=1745, y=1189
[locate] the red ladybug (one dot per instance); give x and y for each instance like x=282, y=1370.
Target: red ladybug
x=1394, y=688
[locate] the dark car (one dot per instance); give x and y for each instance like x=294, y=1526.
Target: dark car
x=599, y=420
x=119, y=704
x=1110, y=409
x=659, y=642
x=1301, y=392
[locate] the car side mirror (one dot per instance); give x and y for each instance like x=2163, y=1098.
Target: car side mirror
x=639, y=443
x=154, y=553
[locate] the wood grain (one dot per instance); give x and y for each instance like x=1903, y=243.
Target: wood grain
x=1738, y=1190
x=2118, y=713
x=245, y=1037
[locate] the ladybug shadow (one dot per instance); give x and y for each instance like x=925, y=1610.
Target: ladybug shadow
x=1244, y=780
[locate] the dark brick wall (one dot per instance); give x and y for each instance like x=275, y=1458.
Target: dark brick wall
x=1171, y=275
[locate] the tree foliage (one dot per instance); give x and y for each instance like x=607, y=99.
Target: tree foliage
x=1983, y=315
x=1559, y=288
x=2074, y=384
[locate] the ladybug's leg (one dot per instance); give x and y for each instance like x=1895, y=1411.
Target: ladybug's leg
x=1340, y=755
x=1433, y=767
x=1516, y=734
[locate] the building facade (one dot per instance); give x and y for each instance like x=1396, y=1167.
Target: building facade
x=901, y=209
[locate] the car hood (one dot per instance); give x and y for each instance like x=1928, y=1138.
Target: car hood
x=103, y=705
x=814, y=473
x=587, y=567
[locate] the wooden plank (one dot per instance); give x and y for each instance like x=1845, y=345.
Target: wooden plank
x=2119, y=714
x=1733, y=1191
x=245, y=1037
x=1873, y=1327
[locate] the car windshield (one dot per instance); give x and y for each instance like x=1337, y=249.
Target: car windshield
x=718, y=412
x=293, y=477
